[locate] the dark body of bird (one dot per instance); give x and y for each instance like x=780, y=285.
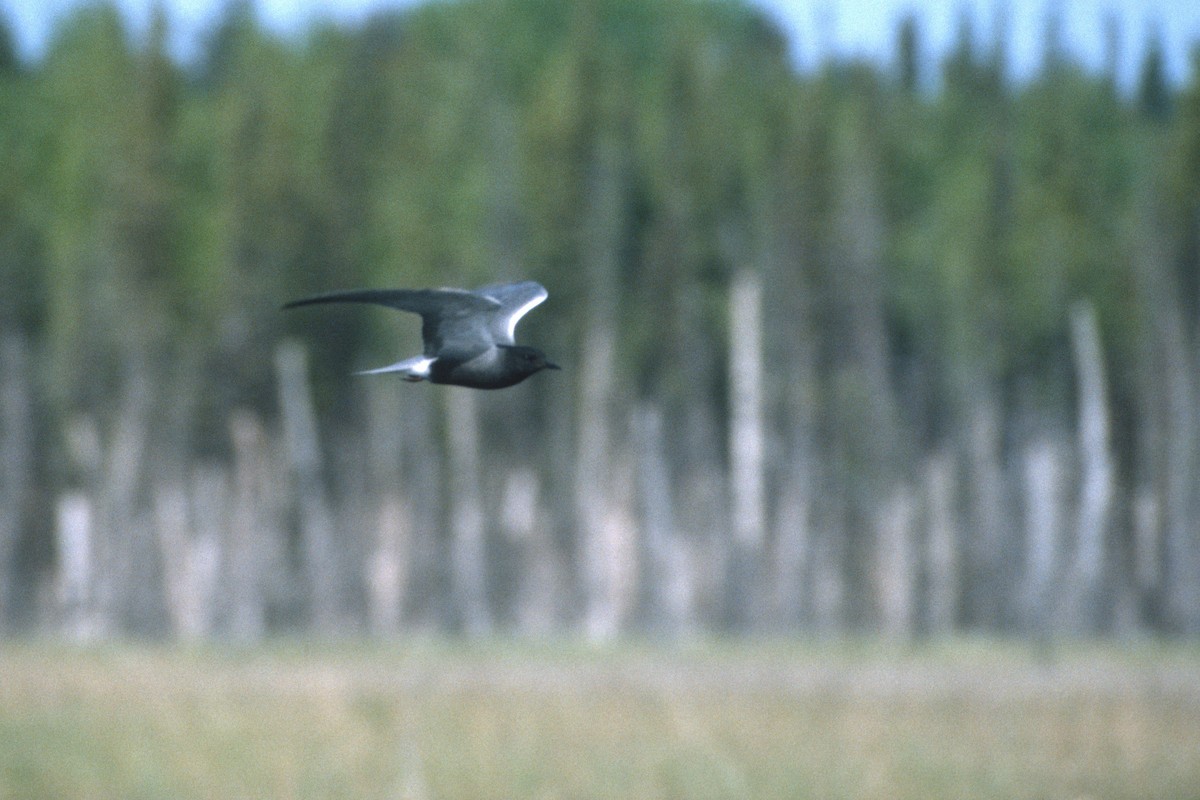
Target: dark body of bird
x=468, y=335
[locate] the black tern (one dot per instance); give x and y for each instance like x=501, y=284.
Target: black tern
x=468, y=334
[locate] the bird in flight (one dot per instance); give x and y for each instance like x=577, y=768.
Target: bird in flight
x=467, y=334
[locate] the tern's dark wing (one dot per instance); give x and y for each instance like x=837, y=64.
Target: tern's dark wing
x=451, y=319
x=515, y=301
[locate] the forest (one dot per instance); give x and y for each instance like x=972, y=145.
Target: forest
x=907, y=348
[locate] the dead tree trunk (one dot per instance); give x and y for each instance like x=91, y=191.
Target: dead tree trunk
x=304, y=454
x=190, y=554
x=541, y=575
x=791, y=561
x=942, y=547
x=1147, y=553
x=896, y=564
x=594, y=501
x=122, y=533
x=1182, y=482
x=16, y=464
x=391, y=550
x=746, y=447
x=249, y=548
x=1169, y=398
x=987, y=569
x=1045, y=502
x=667, y=582
x=593, y=492
x=74, y=539
x=468, y=531
x=1096, y=481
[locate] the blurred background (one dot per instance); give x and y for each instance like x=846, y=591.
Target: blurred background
x=896, y=334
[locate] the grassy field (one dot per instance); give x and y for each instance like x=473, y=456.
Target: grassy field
x=503, y=720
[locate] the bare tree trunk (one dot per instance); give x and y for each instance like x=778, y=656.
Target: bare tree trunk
x=942, y=550
x=613, y=555
x=387, y=576
x=1181, y=555
x=988, y=572
x=212, y=508
x=75, y=535
x=593, y=467
x=541, y=572
x=249, y=549
x=667, y=581
x=1147, y=553
x=468, y=531
x=1169, y=399
x=793, y=422
x=190, y=556
x=1097, y=482
x=16, y=464
x=391, y=550
x=896, y=564
x=746, y=446
x=829, y=583
x=870, y=453
x=75, y=532
x=427, y=601
x=316, y=518
x=1045, y=526
x=122, y=533
x=791, y=564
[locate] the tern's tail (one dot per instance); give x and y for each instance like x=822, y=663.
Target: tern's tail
x=411, y=369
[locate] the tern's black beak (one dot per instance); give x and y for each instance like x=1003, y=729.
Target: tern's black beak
x=552, y=365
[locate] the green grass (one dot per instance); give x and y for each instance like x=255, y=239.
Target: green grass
x=504, y=720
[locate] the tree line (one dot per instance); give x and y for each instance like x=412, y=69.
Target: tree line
x=907, y=347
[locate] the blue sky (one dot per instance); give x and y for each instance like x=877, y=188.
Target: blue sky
x=862, y=27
